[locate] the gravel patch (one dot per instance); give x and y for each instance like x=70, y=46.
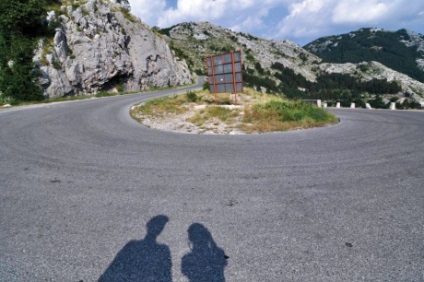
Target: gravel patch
x=179, y=123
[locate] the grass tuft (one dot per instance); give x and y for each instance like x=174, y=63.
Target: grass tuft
x=281, y=115
x=161, y=107
x=214, y=114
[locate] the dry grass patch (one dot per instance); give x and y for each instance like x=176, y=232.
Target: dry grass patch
x=160, y=107
x=200, y=111
x=216, y=114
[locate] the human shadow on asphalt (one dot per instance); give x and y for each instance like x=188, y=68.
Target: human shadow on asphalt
x=142, y=260
x=206, y=261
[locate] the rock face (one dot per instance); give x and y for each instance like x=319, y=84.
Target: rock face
x=201, y=39
x=99, y=45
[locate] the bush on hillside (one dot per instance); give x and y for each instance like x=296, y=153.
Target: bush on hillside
x=21, y=23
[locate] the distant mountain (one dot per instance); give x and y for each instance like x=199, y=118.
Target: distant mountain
x=283, y=67
x=402, y=50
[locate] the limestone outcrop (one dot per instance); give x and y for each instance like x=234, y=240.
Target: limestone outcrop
x=99, y=46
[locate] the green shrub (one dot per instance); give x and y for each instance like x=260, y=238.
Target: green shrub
x=127, y=14
x=378, y=103
x=21, y=24
x=205, y=85
x=75, y=5
x=294, y=111
x=192, y=96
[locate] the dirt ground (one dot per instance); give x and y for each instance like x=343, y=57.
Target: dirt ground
x=180, y=123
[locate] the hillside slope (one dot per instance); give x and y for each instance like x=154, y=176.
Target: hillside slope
x=194, y=41
x=285, y=67
x=402, y=50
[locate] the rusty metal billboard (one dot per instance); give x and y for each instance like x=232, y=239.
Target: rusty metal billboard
x=225, y=73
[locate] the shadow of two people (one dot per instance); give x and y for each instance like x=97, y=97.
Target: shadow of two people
x=147, y=260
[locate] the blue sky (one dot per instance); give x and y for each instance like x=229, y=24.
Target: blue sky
x=300, y=21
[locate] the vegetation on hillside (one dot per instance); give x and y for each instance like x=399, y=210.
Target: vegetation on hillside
x=195, y=51
x=21, y=23
x=371, y=45
x=332, y=87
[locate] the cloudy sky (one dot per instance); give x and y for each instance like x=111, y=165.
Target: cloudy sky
x=300, y=21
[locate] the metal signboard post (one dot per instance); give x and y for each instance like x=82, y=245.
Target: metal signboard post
x=225, y=73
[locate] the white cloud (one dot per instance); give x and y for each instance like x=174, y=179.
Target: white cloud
x=310, y=19
x=188, y=10
x=359, y=11
x=225, y=11
x=297, y=20
x=305, y=18
x=307, y=6
x=148, y=10
x=247, y=23
x=229, y=13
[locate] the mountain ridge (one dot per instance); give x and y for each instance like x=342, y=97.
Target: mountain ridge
x=285, y=67
x=401, y=50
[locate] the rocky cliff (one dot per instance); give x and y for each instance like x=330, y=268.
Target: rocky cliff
x=99, y=46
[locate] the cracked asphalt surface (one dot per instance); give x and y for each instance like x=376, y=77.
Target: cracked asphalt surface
x=79, y=181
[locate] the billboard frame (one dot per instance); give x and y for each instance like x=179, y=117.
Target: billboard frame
x=225, y=73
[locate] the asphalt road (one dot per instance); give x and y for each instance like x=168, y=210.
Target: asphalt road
x=81, y=181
